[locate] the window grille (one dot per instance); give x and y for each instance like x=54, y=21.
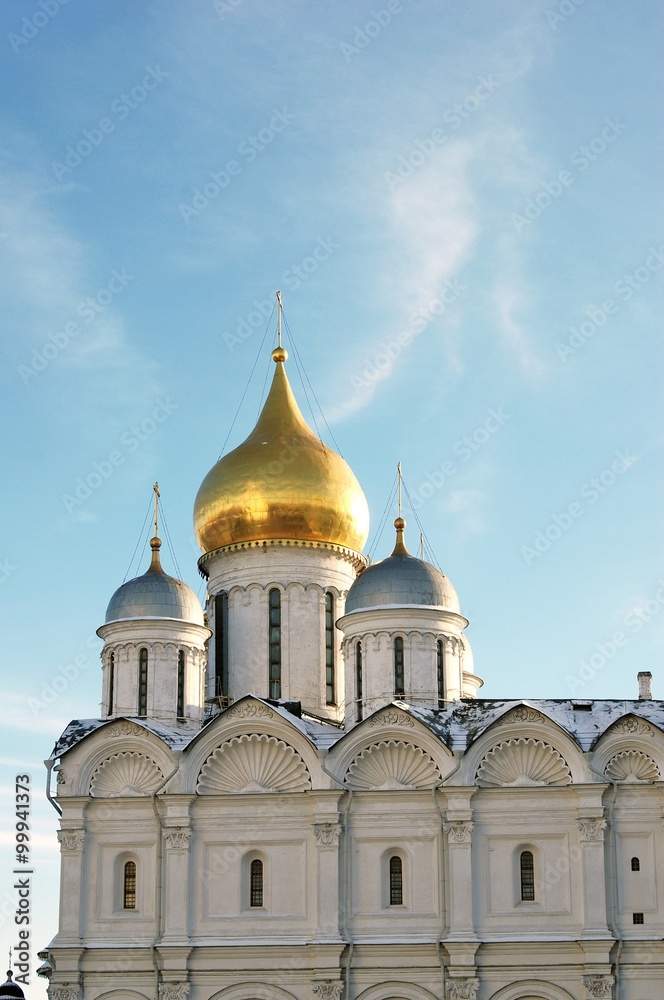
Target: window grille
x=396, y=881
x=129, y=886
x=256, y=883
x=275, y=643
x=527, y=877
x=143, y=683
x=399, y=676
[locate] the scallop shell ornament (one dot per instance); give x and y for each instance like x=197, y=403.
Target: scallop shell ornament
x=632, y=766
x=255, y=763
x=125, y=774
x=522, y=762
x=392, y=764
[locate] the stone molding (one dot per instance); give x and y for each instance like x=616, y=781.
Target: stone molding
x=598, y=986
x=328, y=989
x=522, y=714
x=592, y=831
x=177, y=839
x=459, y=831
x=327, y=834
x=462, y=989
x=251, y=711
x=174, y=991
x=391, y=718
x=122, y=729
x=71, y=840
x=633, y=727
x=63, y=991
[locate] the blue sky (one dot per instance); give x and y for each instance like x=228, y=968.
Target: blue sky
x=461, y=204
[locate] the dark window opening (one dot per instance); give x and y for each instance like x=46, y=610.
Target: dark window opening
x=637, y=918
x=180, y=700
x=399, y=675
x=256, y=883
x=129, y=886
x=358, y=680
x=111, y=683
x=396, y=881
x=636, y=865
x=527, y=877
x=330, y=696
x=143, y=683
x=221, y=645
x=440, y=672
x=275, y=643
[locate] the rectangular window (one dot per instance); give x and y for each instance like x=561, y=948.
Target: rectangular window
x=637, y=918
x=221, y=645
x=256, y=883
x=399, y=675
x=396, y=881
x=330, y=698
x=358, y=680
x=111, y=683
x=129, y=886
x=143, y=683
x=527, y=877
x=180, y=698
x=274, y=638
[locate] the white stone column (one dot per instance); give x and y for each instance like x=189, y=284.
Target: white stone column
x=72, y=904
x=327, y=878
x=176, y=883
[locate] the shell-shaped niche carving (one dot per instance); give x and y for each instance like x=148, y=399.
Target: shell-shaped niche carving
x=392, y=764
x=254, y=764
x=521, y=762
x=125, y=774
x=632, y=766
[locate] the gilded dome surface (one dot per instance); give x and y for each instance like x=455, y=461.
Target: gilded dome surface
x=281, y=483
x=155, y=595
x=401, y=580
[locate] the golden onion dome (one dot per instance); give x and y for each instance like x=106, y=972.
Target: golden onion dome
x=281, y=483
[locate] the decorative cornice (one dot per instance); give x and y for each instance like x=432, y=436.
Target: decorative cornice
x=598, y=986
x=174, y=991
x=250, y=711
x=391, y=718
x=71, y=840
x=459, y=831
x=357, y=560
x=63, y=991
x=122, y=729
x=327, y=834
x=328, y=989
x=177, y=839
x=462, y=989
x=633, y=727
x=522, y=713
x=592, y=831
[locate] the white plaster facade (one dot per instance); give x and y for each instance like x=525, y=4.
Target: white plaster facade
x=436, y=849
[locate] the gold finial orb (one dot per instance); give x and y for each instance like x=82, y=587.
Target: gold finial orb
x=280, y=354
x=155, y=543
x=399, y=524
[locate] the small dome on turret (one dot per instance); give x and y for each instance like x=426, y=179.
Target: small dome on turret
x=155, y=595
x=10, y=990
x=401, y=580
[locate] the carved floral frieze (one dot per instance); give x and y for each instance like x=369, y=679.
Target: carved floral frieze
x=327, y=834
x=592, y=830
x=71, y=840
x=391, y=718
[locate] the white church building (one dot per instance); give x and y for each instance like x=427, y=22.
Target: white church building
x=298, y=795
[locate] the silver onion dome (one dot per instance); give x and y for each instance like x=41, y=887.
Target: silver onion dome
x=155, y=595
x=401, y=580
